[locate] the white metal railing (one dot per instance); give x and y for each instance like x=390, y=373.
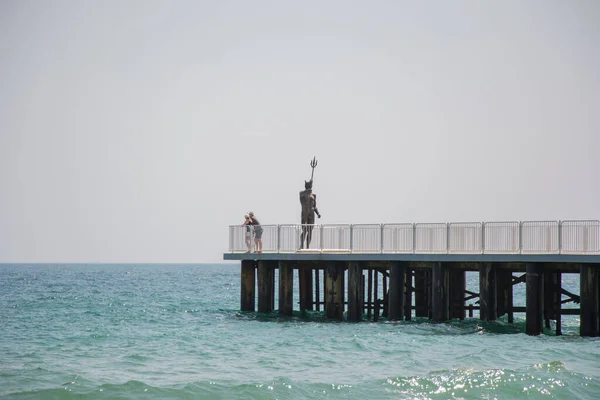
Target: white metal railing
x=431, y=238
x=366, y=238
x=501, y=237
x=505, y=237
x=335, y=237
x=465, y=237
x=289, y=238
x=539, y=237
x=269, y=238
x=398, y=238
x=580, y=237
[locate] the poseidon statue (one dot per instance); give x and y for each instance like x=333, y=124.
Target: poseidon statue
x=308, y=200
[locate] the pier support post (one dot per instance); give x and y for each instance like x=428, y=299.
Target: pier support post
x=376, y=295
x=456, y=291
x=503, y=291
x=551, y=294
x=511, y=311
x=385, y=297
x=334, y=283
x=363, y=291
x=589, y=276
x=558, y=303
x=324, y=290
x=534, y=295
x=439, y=299
x=265, y=287
x=487, y=292
x=422, y=293
x=509, y=297
x=355, y=292
x=408, y=294
x=317, y=290
x=396, y=296
x=286, y=288
x=369, y=293
x=306, y=288
x=247, y=295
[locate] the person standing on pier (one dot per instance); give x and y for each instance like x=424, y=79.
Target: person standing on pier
x=247, y=223
x=258, y=230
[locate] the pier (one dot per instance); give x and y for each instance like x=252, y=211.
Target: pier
x=356, y=272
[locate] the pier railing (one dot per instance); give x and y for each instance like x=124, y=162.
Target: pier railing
x=506, y=237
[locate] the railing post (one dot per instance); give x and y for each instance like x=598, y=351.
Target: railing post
x=414, y=238
x=381, y=239
x=447, y=238
x=520, y=237
x=559, y=237
x=298, y=236
x=278, y=238
x=320, y=237
x=483, y=238
x=351, y=237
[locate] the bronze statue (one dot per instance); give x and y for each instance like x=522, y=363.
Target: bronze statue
x=308, y=200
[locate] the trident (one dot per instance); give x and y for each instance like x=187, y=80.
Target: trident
x=313, y=164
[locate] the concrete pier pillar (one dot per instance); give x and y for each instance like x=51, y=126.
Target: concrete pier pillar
x=363, y=292
x=385, y=294
x=286, y=288
x=317, y=289
x=334, y=284
x=376, y=295
x=558, y=302
x=422, y=293
x=369, y=293
x=408, y=294
x=503, y=291
x=590, y=302
x=324, y=290
x=552, y=296
x=248, y=278
x=355, y=292
x=510, y=311
x=305, y=285
x=534, y=298
x=396, y=294
x=456, y=291
x=266, y=288
x=440, y=310
x=487, y=292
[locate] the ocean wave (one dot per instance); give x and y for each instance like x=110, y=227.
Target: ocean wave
x=544, y=380
x=539, y=381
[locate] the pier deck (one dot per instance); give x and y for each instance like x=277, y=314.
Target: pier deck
x=421, y=270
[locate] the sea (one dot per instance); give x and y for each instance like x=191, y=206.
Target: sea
x=159, y=331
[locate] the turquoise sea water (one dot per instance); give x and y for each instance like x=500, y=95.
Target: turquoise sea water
x=176, y=332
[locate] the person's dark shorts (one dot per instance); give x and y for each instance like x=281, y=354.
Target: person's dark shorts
x=258, y=233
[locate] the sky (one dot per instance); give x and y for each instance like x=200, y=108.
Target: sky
x=138, y=131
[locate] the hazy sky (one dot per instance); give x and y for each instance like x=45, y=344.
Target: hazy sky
x=138, y=131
